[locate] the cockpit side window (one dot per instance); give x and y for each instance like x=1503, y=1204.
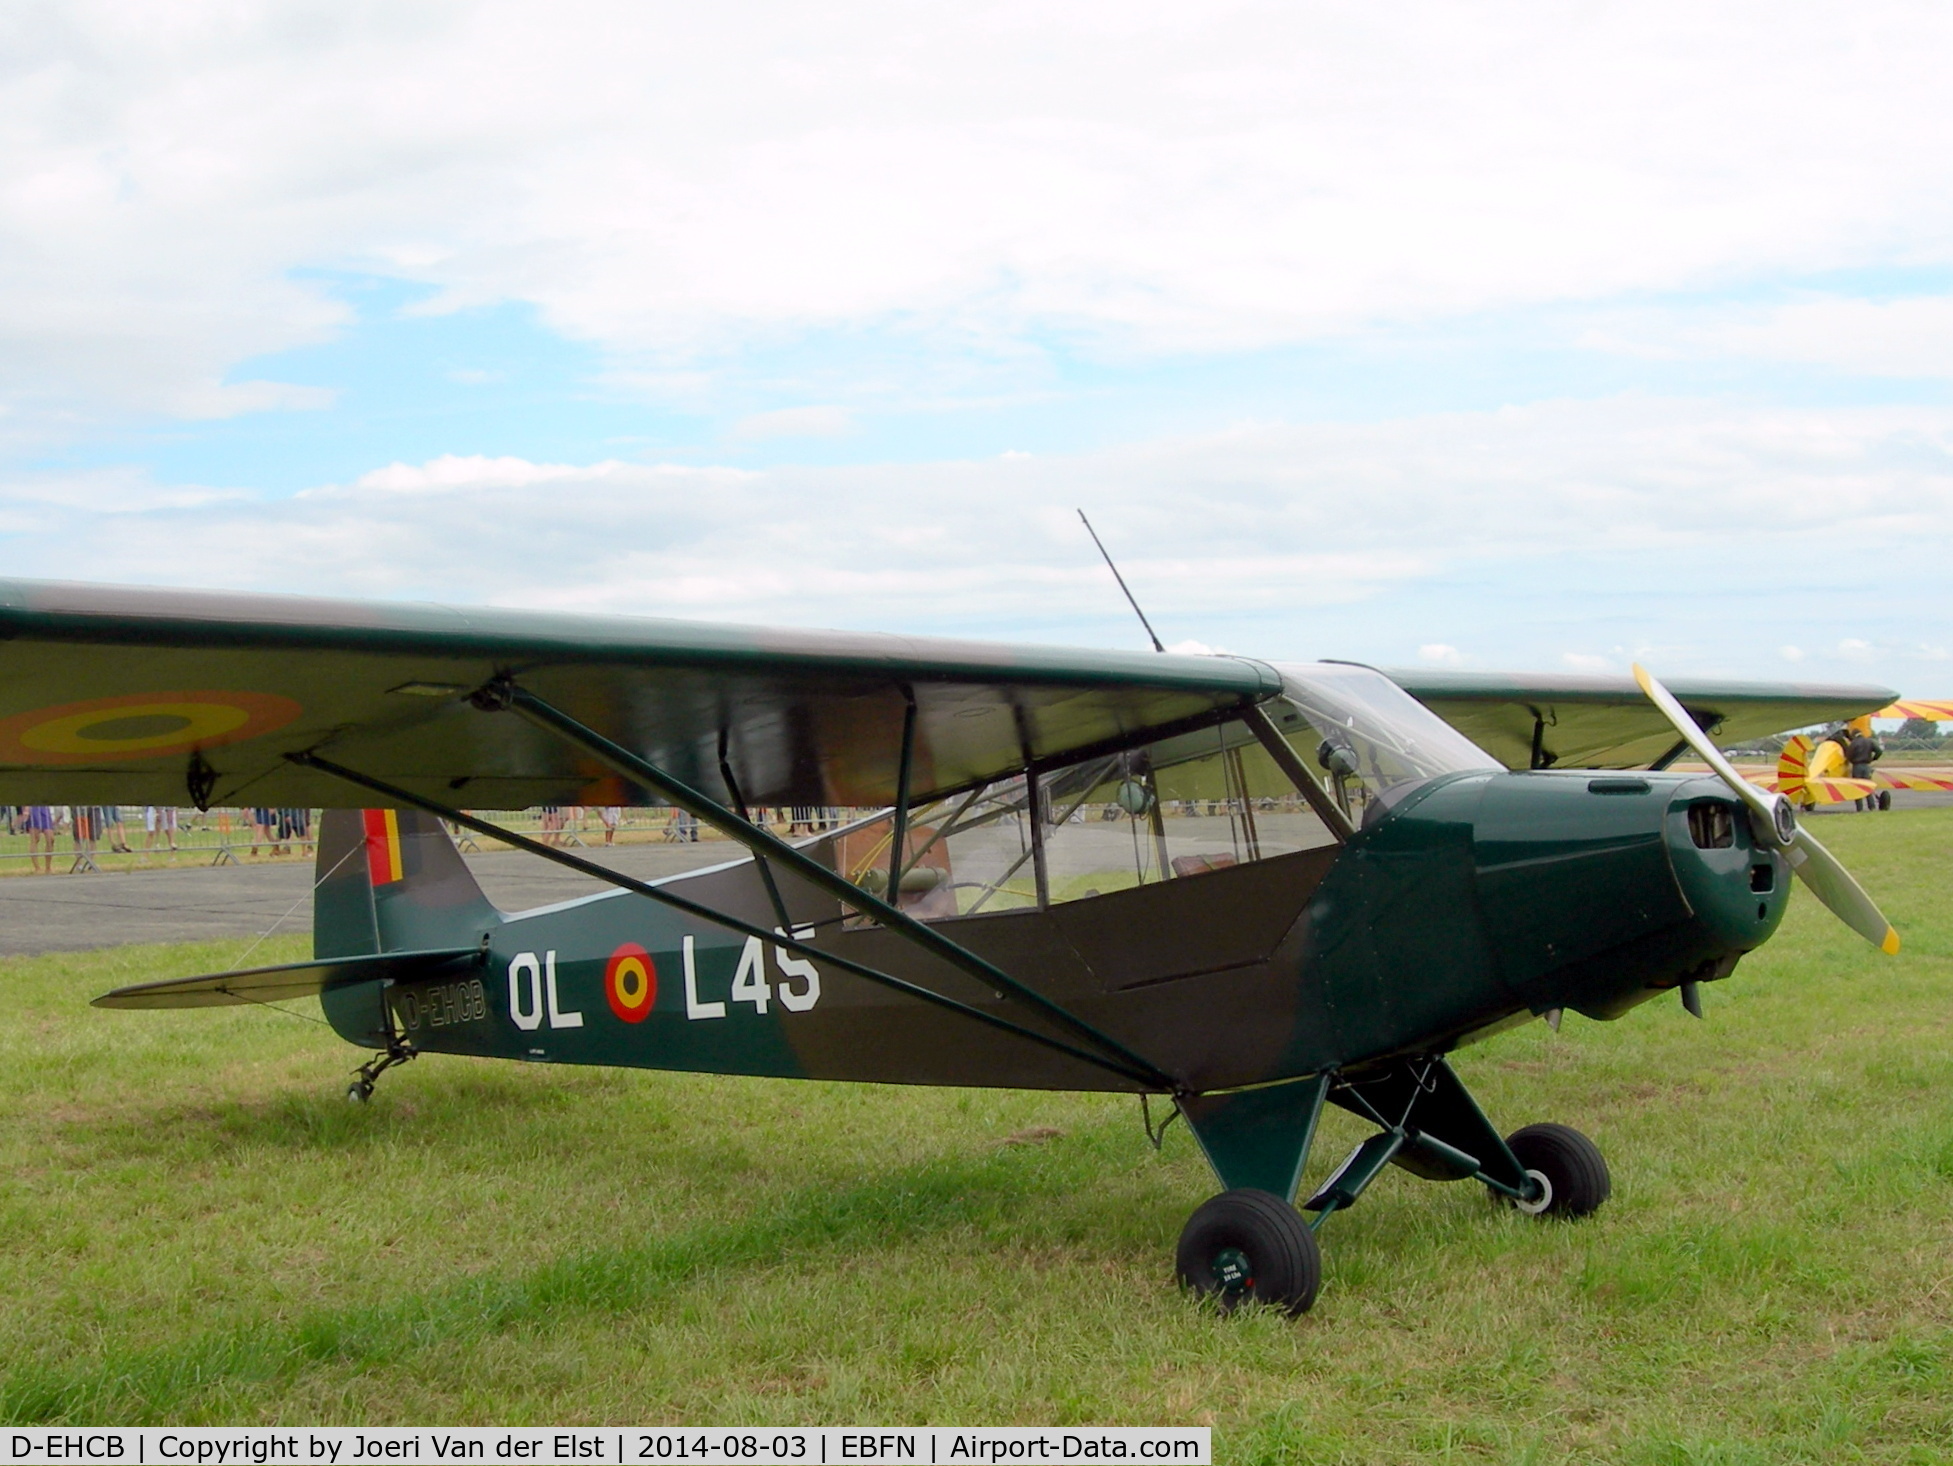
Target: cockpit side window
x=1170, y=810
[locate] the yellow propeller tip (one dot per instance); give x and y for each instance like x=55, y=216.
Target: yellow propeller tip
x=1890, y=946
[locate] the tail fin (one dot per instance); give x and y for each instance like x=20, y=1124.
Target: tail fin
x=388, y=881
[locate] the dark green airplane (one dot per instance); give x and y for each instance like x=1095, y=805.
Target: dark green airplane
x=1252, y=889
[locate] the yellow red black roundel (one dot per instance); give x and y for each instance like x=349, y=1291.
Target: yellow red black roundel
x=631, y=983
x=140, y=725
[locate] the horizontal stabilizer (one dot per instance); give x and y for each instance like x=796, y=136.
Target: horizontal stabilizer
x=274, y=984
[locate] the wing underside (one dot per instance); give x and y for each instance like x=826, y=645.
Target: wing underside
x=1547, y=721
x=117, y=695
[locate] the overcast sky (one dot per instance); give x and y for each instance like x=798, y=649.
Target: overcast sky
x=1490, y=336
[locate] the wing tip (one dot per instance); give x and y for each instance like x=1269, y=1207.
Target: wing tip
x=1890, y=946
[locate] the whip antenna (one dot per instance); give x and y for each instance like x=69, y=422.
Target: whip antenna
x=1122, y=584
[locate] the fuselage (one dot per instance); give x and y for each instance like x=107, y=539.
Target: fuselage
x=1474, y=900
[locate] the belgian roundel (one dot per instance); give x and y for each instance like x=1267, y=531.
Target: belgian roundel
x=631, y=983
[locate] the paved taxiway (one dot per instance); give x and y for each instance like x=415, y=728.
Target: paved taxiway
x=195, y=902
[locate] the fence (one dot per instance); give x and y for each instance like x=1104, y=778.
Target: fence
x=91, y=840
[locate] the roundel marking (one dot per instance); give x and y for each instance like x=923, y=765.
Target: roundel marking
x=140, y=725
x=631, y=983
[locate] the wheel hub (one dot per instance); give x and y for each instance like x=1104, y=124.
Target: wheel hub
x=1540, y=1202
x=1232, y=1270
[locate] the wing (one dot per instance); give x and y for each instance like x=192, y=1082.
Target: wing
x=1901, y=778
x=113, y=695
x=1606, y=722
x=1914, y=707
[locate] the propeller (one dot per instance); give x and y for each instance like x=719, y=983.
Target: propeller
x=1777, y=826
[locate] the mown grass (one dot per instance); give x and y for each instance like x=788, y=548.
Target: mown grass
x=196, y=1227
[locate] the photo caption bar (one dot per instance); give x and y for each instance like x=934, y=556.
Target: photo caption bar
x=347, y=1445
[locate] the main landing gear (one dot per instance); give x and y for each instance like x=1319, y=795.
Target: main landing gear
x=1246, y=1246
x=1250, y=1244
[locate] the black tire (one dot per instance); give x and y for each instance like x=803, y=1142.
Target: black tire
x=1885, y=799
x=1250, y=1246
x=1572, y=1166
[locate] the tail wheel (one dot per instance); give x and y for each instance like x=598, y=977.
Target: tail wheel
x=1570, y=1167
x=1250, y=1246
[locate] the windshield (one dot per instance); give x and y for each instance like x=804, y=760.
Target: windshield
x=1374, y=742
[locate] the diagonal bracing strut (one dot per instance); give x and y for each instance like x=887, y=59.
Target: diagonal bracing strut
x=506, y=694
x=1147, y=1076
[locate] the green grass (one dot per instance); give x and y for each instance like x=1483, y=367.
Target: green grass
x=196, y=1227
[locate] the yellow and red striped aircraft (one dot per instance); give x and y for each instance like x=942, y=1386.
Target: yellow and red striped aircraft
x=1812, y=772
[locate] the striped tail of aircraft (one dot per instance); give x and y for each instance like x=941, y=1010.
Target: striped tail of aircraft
x=1809, y=773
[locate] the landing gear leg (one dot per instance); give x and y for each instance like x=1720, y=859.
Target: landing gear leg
x=399, y=1051
x=1249, y=1244
x=1431, y=1127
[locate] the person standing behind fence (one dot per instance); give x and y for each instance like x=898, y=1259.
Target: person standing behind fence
x=40, y=838
x=158, y=823
x=112, y=826
x=608, y=813
x=260, y=828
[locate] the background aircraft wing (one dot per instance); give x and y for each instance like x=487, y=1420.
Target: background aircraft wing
x=114, y=695
x=1607, y=723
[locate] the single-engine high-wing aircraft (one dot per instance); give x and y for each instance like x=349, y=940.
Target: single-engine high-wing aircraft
x=1251, y=888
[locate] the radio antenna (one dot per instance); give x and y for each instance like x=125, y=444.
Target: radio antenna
x=1122, y=584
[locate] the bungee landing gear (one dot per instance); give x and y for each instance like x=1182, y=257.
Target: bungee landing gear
x=1250, y=1244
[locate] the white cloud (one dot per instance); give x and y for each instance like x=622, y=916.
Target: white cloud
x=1440, y=653
x=661, y=179
x=1791, y=653
x=1656, y=529
x=795, y=422
x=452, y=472
x=1910, y=337
x=1587, y=662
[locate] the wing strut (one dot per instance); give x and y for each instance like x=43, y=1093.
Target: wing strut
x=506, y=694
x=1142, y=1073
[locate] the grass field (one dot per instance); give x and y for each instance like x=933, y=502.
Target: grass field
x=196, y=1227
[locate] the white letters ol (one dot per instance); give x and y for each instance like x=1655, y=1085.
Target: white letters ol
x=749, y=984
x=557, y=1017
x=529, y=980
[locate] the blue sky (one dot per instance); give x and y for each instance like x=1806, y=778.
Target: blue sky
x=1489, y=340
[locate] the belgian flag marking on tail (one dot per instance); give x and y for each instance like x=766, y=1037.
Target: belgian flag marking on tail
x=384, y=863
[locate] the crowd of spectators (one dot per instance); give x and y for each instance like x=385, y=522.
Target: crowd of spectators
x=98, y=828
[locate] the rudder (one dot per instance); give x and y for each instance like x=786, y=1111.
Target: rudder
x=388, y=881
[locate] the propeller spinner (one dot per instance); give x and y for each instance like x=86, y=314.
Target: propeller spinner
x=1776, y=825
